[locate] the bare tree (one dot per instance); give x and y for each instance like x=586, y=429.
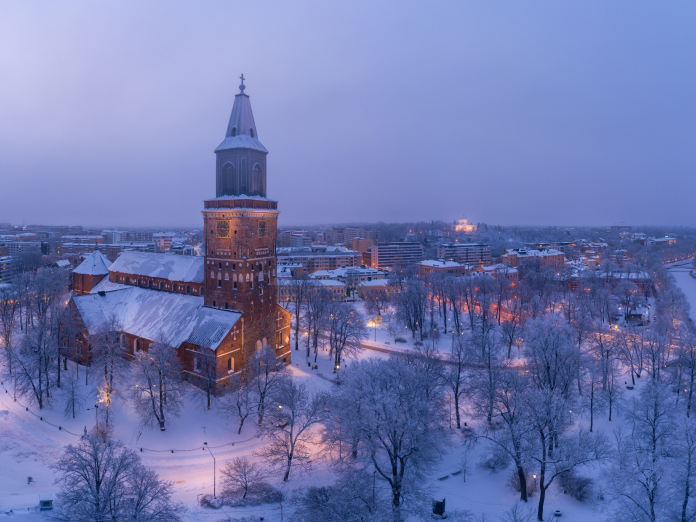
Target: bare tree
x=240, y=400
x=108, y=351
x=345, y=328
x=377, y=301
x=101, y=481
x=297, y=298
x=640, y=472
x=9, y=311
x=74, y=399
x=293, y=414
x=206, y=375
x=240, y=475
x=33, y=364
x=315, y=316
x=267, y=373
x=683, y=476
x=158, y=389
x=546, y=412
x=455, y=376
x=510, y=406
x=687, y=359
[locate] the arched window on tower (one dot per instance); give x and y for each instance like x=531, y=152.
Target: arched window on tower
x=234, y=131
x=229, y=175
x=256, y=182
x=251, y=132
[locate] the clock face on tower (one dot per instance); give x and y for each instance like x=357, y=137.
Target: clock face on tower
x=223, y=229
x=263, y=228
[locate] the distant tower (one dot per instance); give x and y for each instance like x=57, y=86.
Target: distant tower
x=240, y=234
x=241, y=159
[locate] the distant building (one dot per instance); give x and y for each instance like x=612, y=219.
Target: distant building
x=362, y=244
x=350, y=276
x=7, y=270
x=300, y=241
x=336, y=289
x=114, y=236
x=319, y=257
x=163, y=240
x=440, y=266
x=287, y=270
x=502, y=270
x=464, y=226
x=370, y=287
x=20, y=247
x=520, y=256
x=465, y=253
x=388, y=255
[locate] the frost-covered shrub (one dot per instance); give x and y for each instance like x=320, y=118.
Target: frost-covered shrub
x=257, y=494
x=580, y=488
x=208, y=501
x=399, y=340
x=514, y=482
x=497, y=461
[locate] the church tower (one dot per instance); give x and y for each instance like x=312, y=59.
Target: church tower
x=240, y=235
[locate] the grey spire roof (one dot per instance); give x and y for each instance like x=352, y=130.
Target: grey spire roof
x=94, y=264
x=241, y=131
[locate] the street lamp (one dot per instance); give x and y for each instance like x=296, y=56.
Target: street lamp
x=211, y=454
x=96, y=416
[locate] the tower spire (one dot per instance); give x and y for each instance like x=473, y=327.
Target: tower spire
x=242, y=86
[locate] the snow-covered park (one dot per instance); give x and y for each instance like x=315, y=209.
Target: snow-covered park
x=32, y=440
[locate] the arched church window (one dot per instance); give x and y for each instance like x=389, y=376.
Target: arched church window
x=251, y=131
x=256, y=181
x=258, y=346
x=230, y=364
x=227, y=276
x=212, y=275
x=234, y=131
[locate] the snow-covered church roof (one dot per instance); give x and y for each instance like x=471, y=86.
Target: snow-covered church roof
x=148, y=314
x=187, y=269
x=95, y=264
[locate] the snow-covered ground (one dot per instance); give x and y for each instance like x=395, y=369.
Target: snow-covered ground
x=683, y=274
x=28, y=446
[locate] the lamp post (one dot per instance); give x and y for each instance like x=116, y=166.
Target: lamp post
x=96, y=416
x=211, y=454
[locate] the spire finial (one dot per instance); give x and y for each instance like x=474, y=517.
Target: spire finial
x=242, y=86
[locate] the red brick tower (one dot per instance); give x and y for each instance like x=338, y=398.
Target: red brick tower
x=240, y=234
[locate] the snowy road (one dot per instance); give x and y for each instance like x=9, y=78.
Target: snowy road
x=682, y=273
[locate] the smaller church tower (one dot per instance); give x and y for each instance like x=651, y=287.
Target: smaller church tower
x=241, y=227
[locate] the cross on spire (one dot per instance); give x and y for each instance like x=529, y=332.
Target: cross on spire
x=242, y=86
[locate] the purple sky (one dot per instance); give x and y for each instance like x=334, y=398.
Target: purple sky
x=506, y=112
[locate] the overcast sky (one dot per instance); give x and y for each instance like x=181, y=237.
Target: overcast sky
x=504, y=112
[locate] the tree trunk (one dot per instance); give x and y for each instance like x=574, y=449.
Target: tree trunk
x=523, y=483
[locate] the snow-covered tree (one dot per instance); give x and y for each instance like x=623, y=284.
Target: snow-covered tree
x=382, y=410
x=267, y=372
x=292, y=414
x=102, y=481
x=240, y=475
x=74, y=398
x=157, y=389
x=345, y=328
x=639, y=478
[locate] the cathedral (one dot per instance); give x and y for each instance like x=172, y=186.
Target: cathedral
x=224, y=302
